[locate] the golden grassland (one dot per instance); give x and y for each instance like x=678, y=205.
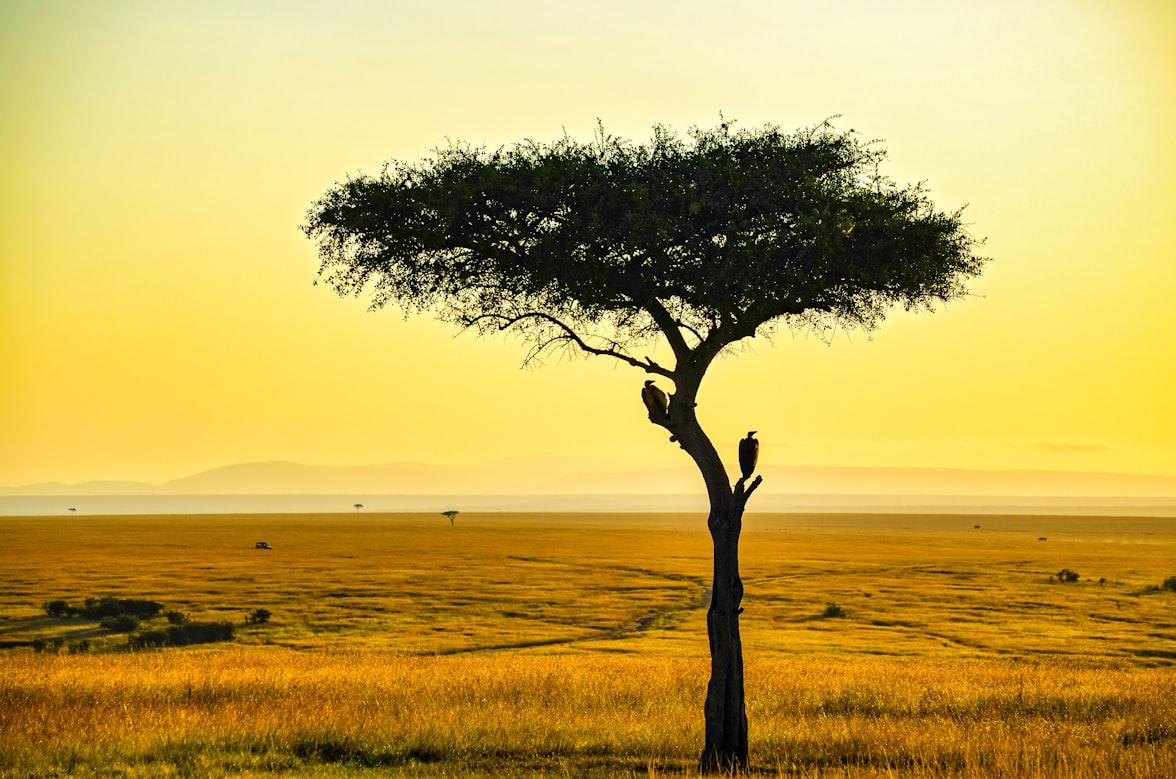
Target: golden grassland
x=575, y=645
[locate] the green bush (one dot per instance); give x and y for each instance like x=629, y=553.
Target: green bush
x=183, y=635
x=97, y=608
x=1170, y=584
x=176, y=617
x=147, y=639
x=832, y=610
x=120, y=623
x=1066, y=575
x=58, y=608
x=199, y=633
x=258, y=617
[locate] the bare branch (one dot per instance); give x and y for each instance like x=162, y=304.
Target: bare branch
x=506, y=322
x=669, y=328
x=742, y=494
x=690, y=329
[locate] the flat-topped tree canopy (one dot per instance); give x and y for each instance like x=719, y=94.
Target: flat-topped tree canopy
x=601, y=246
x=607, y=244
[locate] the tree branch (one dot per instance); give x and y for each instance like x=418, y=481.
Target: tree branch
x=692, y=331
x=506, y=322
x=670, y=328
x=742, y=494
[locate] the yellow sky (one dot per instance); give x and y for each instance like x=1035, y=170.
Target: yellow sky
x=157, y=315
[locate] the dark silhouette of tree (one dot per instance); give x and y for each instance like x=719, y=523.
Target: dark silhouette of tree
x=450, y=515
x=609, y=246
x=357, y=507
x=258, y=617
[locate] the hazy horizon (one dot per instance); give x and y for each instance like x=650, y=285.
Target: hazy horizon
x=593, y=486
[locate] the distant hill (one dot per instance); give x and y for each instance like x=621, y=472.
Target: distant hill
x=82, y=488
x=536, y=476
x=822, y=480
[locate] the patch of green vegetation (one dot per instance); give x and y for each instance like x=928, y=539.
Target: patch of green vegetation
x=832, y=611
x=98, y=608
x=183, y=635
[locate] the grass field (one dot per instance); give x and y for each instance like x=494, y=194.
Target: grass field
x=575, y=644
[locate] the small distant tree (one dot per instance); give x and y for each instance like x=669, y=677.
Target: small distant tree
x=57, y=608
x=358, y=506
x=176, y=617
x=1170, y=584
x=258, y=617
x=607, y=247
x=120, y=623
x=450, y=515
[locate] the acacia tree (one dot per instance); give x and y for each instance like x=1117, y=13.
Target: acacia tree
x=608, y=246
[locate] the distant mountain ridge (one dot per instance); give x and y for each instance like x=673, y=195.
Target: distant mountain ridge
x=520, y=476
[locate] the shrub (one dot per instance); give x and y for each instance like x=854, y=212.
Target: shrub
x=1066, y=575
x=199, y=633
x=258, y=617
x=120, y=623
x=832, y=610
x=1170, y=584
x=96, y=608
x=183, y=635
x=176, y=617
x=51, y=645
x=58, y=608
x=148, y=638
x=80, y=647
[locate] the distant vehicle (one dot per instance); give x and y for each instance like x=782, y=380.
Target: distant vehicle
x=262, y=545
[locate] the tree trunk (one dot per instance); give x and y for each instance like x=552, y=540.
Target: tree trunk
x=725, y=749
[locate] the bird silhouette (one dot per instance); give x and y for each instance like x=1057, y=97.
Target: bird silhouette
x=656, y=401
x=748, y=454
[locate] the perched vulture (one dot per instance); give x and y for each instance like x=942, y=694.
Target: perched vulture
x=748, y=455
x=655, y=400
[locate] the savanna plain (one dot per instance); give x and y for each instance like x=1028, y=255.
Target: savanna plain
x=575, y=644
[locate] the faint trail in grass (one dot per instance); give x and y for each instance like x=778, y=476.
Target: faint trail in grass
x=676, y=577
x=887, y=570
x=643, y=623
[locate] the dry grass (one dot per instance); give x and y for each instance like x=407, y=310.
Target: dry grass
x=576, y=645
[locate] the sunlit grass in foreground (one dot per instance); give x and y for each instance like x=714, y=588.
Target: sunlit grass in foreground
x=956, y=655
x=211, y=712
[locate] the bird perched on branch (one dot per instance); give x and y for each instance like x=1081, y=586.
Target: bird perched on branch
x=656, y=401
x=748, y=454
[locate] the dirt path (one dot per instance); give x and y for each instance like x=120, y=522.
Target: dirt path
x=643, y=623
